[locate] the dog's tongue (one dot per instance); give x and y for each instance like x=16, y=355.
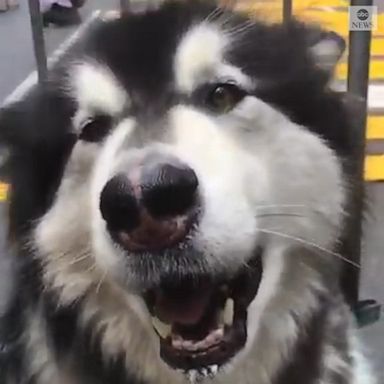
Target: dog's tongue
x=183, y=308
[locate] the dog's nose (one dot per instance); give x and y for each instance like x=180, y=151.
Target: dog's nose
x=119, y=206
x=154, y=213
x=168, y=189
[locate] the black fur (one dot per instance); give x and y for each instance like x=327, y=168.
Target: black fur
x=81, y=347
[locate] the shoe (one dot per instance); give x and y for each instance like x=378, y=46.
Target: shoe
x=78, y=3
x=61, y=16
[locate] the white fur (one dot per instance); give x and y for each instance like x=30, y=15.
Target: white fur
x=199, y=52
x=326, y=54
x=41, y=364
x=200, y=58
x=363, y=372
x=62, y=239
x=214, y=156
x=96, y=89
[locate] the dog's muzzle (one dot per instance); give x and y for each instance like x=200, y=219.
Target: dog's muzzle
x=151, y=206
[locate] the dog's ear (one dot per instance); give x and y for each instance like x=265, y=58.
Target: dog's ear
x=36, y=131
x=21, y=122
x=41, y=118
x=326, y=49
x=10, y=120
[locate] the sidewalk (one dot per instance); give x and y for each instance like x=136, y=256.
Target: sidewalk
x=16, y=53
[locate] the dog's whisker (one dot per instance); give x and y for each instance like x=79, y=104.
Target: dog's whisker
x=60, y=256
x=240, y=30
x=223, y=18
x=91, y=268
x=277, y=214
x=307, y=210
x=63, y=266
x=282, y=206
x=215, y=13
x=237, y=30
x=79, y=259
x=310, y=244
x=102, y=279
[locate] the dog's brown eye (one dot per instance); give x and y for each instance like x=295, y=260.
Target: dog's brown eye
x=224, y=97
x=95, y=129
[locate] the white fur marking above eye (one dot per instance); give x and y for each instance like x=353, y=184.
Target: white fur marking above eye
x=326, y=53
x=97, y=89
x=200, y=50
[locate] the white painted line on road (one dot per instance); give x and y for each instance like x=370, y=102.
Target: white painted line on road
x=31, y=79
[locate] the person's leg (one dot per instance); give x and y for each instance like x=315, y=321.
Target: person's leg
x=64, y=3
x=59, y=12
x=46, y=5
x=78, y=3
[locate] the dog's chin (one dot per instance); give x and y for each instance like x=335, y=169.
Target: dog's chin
x=201, y=319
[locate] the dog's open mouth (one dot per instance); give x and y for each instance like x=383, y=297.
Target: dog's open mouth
x=202, y=323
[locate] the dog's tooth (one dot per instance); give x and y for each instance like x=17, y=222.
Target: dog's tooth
x=163, y=329
x=210, y=339
x=176, y=337
x=176, y=343
x=229, y=312
x=218, y=334
x=192, y=375
x=214, y=369
x=188, y=345
x=203, y=344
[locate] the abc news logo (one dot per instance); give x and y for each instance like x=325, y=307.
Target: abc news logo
x=363, y=15
x=362, y=18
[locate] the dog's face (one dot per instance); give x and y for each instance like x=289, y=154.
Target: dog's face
x=198, y=148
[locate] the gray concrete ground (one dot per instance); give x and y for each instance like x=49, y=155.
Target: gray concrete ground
x=17, y=61
x=16, y=52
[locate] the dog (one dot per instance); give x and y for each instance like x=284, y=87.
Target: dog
x=180, y=186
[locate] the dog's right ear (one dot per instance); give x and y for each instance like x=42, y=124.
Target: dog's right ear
x=11, y=117
x=36, y=132
x=326, y=49
x=40, y=119
x=21, y=121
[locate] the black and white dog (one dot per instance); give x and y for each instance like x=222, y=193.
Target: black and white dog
x=179, y=188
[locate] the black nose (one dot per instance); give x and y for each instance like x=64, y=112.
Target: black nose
x=169, y=189
x=143, y=216
x=118, y=204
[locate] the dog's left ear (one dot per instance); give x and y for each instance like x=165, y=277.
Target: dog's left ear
x=12, y=122
x=326, y=49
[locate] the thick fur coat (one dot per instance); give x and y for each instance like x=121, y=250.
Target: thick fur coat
x=247, y=109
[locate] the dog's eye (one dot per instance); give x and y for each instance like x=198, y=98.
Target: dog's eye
x=224, y=97
x=95, y=128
